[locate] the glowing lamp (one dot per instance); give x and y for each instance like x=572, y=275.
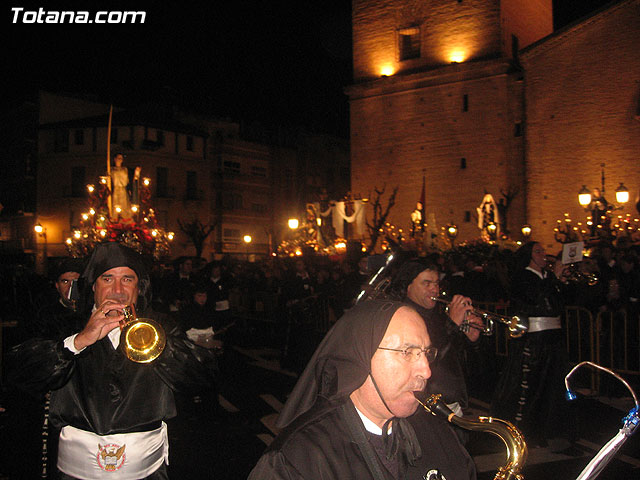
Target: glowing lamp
x=456, y=57
x=146, y=181
x=91, y=188
x=92, y=211
x=154, y=232
x=85, y=216
x=170, y=235
x=293, y=223
x=38, y=228
x=103, y=233
x=118, y=209
x=387, y=70
x=77, y=234
x=584, y=196
x=526, y=231
x=247, y=239
x=622, y=194
x=68, y=241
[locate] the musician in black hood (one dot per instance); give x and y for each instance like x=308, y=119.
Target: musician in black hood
x=417, y=284
x=353, y=413
x=111, y=410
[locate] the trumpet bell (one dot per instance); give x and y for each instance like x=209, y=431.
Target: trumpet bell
x=518, y=326
x=143, y=340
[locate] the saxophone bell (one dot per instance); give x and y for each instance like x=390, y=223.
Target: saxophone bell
x=507, y=432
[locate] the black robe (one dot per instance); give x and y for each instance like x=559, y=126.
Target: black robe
x=101, y=391
x=320, y=423
x=531, y=392
x=320, y=445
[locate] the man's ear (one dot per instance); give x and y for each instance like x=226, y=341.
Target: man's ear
x=93, y=287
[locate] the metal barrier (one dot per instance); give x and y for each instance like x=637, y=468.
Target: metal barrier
x=612, y=339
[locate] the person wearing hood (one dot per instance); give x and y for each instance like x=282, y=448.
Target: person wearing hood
x=417, y=284
x=111, y=410
x=353, y=412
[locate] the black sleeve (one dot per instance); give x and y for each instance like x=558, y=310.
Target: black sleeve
x=183, y=365
x=39, y=365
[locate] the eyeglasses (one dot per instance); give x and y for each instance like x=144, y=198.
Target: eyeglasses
x=412, y=354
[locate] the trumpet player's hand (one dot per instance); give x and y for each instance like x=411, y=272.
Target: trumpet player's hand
x=105, y=318
x=461, y=308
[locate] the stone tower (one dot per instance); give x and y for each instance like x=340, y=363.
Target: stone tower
x=438, y=89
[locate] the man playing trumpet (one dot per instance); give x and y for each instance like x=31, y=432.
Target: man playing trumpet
x=417, y=284
x=111, y=410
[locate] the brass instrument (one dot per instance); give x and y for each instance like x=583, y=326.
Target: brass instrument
x=575, y=275
x=516, y=325
x=378, y=284
x=142, y=340
x=507, y=432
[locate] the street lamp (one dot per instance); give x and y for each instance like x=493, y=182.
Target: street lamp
x=526, y=231
x=600, y=208
x=622, y=194
x=247, y=240
x=452, y=233
x=42, y=232
x=293, y=223
x=584, y=196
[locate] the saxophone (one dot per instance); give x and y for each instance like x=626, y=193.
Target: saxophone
x=508, y=433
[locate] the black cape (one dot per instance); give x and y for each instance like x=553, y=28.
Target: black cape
x=320, y=437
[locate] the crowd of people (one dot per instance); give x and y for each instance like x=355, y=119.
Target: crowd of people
x=360, y=381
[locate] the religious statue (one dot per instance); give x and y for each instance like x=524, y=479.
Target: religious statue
x=120, y=192
x=487, y=212
x=598, y=207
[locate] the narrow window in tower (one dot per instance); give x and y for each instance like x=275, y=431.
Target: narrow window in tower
x=409, y=43
x=517, y=131
x=515, y=47
x=463, y=163
x=467, y=216
x=465, y=103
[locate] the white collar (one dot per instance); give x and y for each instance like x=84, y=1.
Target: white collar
x=540, y=274
x=369, y=426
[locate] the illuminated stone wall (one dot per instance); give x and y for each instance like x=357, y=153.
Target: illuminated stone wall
x=460, y=122
x=583, y=99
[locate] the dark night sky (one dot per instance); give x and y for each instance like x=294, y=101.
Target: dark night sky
x=277, y=61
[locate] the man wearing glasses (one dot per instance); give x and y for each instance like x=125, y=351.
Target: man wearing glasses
x=353, y=412
x=417, y=284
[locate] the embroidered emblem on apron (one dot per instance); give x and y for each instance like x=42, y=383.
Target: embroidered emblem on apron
x=110, y=457
x=434, y=475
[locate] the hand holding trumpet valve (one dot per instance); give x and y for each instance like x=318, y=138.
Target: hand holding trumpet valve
x=461, y=312
x=107, y=316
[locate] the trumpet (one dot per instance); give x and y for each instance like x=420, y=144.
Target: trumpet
x=575, y=275
x=516, y=325
x=142, y=340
